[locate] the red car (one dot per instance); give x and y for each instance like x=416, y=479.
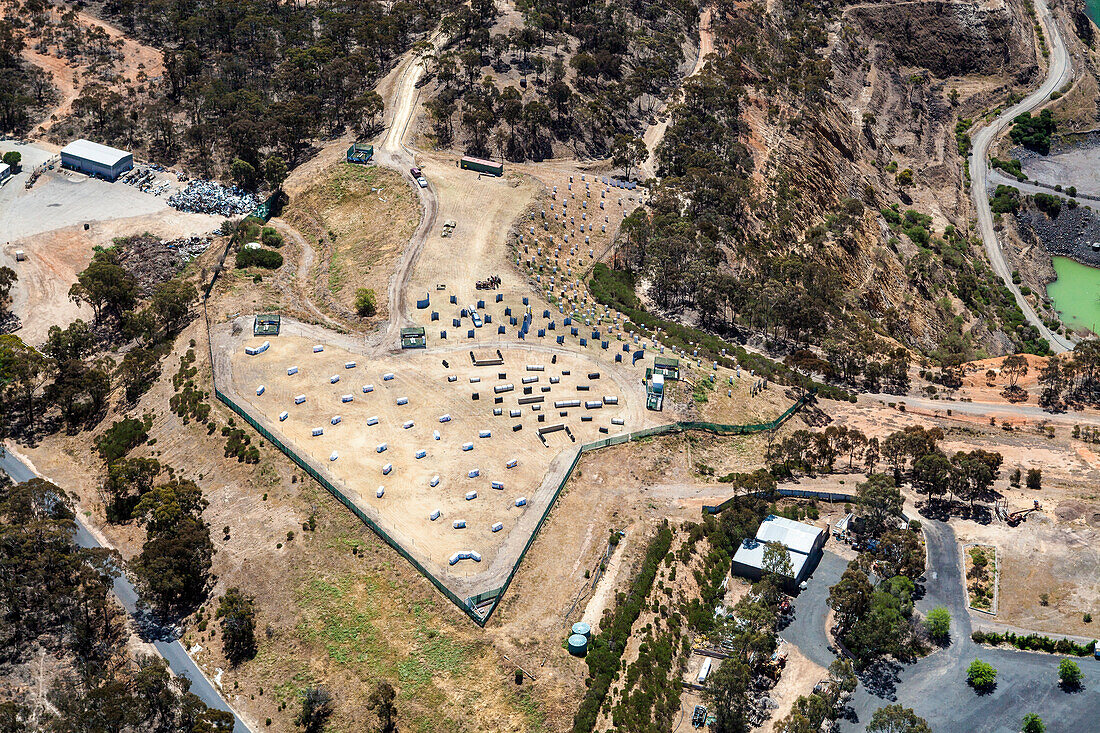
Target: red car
x=415, y=172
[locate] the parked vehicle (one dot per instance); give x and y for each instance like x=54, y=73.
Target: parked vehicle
x=422, y=181
x=415, y=172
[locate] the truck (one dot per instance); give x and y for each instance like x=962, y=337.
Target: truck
x=480, y=165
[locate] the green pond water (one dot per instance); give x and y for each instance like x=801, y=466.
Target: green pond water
x=1092, y=7
x=1076, y=292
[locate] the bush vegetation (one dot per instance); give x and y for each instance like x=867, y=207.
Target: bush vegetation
x=1034, y=643
x=266, y=258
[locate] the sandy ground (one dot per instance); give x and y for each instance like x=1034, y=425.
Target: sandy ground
x=409, y=498
x=799, y=677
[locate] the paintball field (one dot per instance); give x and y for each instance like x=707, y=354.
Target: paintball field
x=420, y=376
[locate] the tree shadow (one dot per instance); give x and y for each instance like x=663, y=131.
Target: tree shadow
x=151, y=626
x=881, y=679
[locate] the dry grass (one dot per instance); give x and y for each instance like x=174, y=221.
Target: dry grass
x=363, y=217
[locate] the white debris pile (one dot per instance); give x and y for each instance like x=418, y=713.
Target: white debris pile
x=208, y=197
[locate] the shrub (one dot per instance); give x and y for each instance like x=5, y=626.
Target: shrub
x=938, y=623
x=365, y=302
x=122, y=437
x=1069, y=673
x=981, y=675
x=265, y=258
x=1048, y=204
x=1033, y=132
x=1033, y=724
x=271, y=238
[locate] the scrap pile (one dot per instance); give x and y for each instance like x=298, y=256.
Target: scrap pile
x=208, y=197
x=152, y=260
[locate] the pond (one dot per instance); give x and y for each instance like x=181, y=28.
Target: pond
x=1076, y=293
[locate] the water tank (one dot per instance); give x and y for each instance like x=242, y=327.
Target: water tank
x=582, y=629
x=578, y=645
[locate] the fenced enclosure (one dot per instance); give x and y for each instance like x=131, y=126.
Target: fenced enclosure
x=480, y=606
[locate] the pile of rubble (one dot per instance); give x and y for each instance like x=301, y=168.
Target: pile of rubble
x=208, y=197
x=152, y=260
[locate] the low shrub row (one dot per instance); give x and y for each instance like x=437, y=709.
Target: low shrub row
x=1035, y=643
x=606, y=650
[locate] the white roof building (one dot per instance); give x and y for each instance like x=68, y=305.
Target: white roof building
x=804, y=543
x=95, y=152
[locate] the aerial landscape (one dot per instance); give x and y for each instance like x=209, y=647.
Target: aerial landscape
x=549, y=367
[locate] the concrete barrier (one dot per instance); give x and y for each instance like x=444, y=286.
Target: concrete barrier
x=471, y=495
x=372, y=420
x=434, y=515
x=349, y=364
x=291, y=371
x=386, y=469
x=380, y=492
x=522, y=501
x=347, y=398
x=434, y=481
x=334, y=379
x=497, y=485
x=283, y=415
x=459, y=524
x=254, y=350
x=387, y=376
x=336, y=420
x=408, y=424
x=333, y=457
x=368, y=388
x=381, y=448
x=512, y=463
x=498, y=526
x=299, y=399
x=318, y=349
x=445, y=418
x=260, y=390
x=467, y=446
x=402, y=400
x=474, y=473
x=317, y=432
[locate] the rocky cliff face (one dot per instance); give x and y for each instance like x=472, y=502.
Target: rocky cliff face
x=950, y=38
x=903, y=74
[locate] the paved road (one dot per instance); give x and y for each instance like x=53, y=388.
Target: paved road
x=173, y=652
x=1059, y=72
x=936, y=685
x=807, y=630
x=998, y=177
x=987, y=409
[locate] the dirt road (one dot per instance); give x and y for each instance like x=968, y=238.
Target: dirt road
x=656, y=132
x=403, y=97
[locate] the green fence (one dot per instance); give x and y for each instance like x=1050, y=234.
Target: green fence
x=469, y=605
x=677, y=427
x=305, y=466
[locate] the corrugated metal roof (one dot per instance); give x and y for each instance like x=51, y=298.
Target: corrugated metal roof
x=751, y=554
x=795, y=535
x=88, y=150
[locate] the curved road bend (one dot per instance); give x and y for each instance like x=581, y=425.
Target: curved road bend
x=173, y=652
x=1059, y=71
x=935, y=686
x=393, y=153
